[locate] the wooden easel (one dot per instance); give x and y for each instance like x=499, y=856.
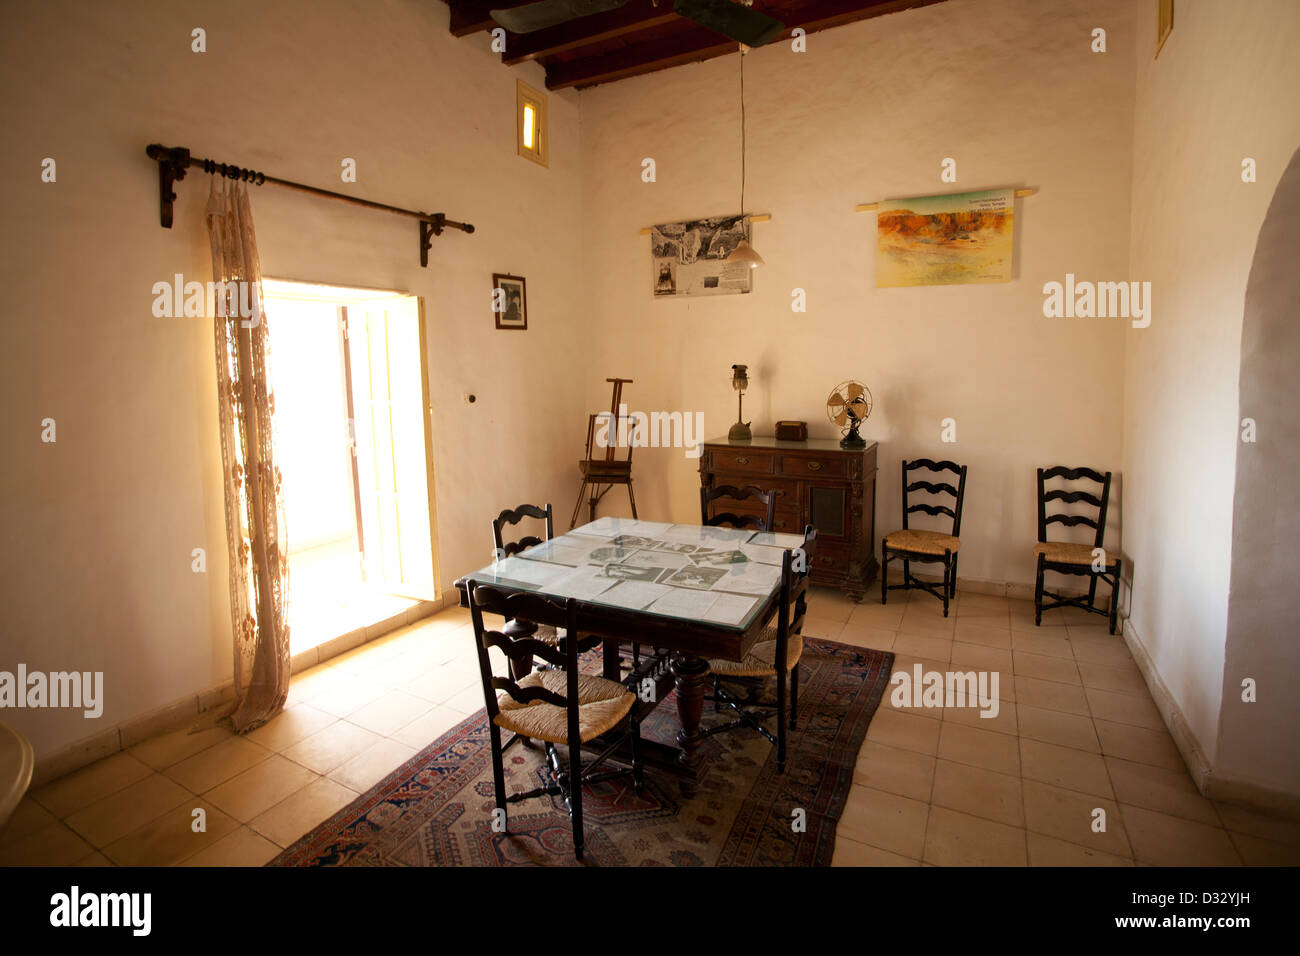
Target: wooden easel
x=605, y=471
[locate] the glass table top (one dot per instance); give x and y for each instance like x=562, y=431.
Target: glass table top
x=720, y=576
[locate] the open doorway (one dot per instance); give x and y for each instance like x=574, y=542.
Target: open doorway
x=349, y=373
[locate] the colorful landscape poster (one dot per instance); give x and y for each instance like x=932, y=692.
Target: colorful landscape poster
x=945, y=240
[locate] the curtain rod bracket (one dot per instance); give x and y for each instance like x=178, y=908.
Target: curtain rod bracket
x=172, y=164
x=429, y=228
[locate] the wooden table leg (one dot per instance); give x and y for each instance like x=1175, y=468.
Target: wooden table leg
x=692, y=674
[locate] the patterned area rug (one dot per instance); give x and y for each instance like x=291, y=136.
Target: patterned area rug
x=435, y=810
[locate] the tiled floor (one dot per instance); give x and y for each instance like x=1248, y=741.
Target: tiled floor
x=1076, y=732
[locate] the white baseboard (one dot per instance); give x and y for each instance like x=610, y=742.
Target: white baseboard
x=1208, y=781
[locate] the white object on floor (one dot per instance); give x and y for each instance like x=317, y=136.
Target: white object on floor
x=16, y=762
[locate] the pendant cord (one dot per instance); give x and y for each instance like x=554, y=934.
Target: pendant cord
x=742, y=131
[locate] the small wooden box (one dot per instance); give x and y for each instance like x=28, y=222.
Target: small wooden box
x=792, y=431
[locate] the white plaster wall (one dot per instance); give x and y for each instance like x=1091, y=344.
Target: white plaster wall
x=1010, y=90
x=1223, y=88
x=98, y=528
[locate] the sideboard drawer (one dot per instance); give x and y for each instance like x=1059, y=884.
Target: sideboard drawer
x=810, y=467
x=751, y=462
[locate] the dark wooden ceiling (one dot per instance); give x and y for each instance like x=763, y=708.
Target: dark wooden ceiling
x=642, y=37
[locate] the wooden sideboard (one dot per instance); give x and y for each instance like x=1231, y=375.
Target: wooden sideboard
x=816, y=482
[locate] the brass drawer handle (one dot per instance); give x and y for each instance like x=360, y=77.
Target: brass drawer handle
x=779, y=492
x=742, y=460
x=814, y=466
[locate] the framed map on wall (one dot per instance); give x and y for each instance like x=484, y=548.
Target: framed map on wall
x=689, y=258
x=945, y=240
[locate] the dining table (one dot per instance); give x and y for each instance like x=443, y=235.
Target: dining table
x=696, y=592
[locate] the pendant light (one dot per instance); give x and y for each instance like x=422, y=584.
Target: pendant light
x=743, y=253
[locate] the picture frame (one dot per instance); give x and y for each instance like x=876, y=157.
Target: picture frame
x=510, y=301
x=1164, y=23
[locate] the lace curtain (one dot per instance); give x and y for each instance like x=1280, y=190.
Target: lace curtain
x=255, y=527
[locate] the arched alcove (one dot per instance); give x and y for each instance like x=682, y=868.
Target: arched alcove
x=1259, y=743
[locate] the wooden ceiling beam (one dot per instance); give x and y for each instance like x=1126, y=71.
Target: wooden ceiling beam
x=637, y=15
x=472, y=16
x=688, y=47
x=698, y=44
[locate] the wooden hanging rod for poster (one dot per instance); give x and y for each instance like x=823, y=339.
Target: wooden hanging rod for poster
x=869, y=206
x=757, y=217
x=173, y=161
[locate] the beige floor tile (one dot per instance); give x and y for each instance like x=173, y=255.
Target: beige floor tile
x=169, y=749
x=1058, y=727
x=863, y=635
x=1104, y=649
x=979, y=792
x=1255, y=823
x=1071, y=816
x=822, y=627
x=332, y=747
x=1123, y=680
x=1044, y=644
x=348, y=695
x=1049, y=851
x=1051, y=695
x=85, y=786
x=371, y=765
x=927, y=648
x=428, y=727
x=885, y=820
x=1124, y=708
x=259, y=788
x=1003, y=721
x=1154, y=788
x=959, y=839
x=290, y=726
x=1140, y=745
x=95, y=859
x=830, y=605
x=128, y=809
x=309, y=807
x=390, y=712
x=28, y=817
x=981, y=616
x=1172, y=841
x=468, y=701
x=873, y=614
x=172, y=837
x=54, y=845
x=1053, y=623
x=979, y=748
x=852, y=853
x=905, y=731
x=980, y=631
x=439, y=684
x=1065, y=767
x=924, y=623
x=205, y=770
x=243, y=847
x=904, y=772
x=1259, y=852
x=1044, y=667
x=982, y=657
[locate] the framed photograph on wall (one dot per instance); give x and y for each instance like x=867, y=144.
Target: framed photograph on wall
x=509, y=301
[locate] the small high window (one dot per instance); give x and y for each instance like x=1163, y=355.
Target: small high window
x=530, y=123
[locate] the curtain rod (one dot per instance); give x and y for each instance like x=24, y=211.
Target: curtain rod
x=173, y=161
